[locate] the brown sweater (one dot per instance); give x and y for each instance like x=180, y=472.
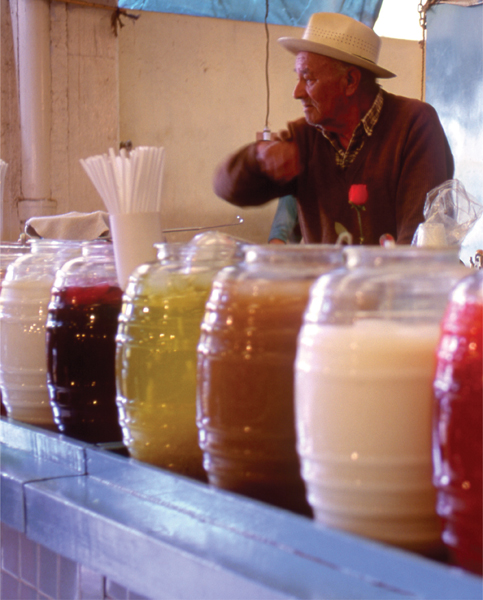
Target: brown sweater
x=407, y=156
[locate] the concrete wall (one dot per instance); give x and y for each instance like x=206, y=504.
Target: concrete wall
x=455, y=86
x=9, y=115
x=84, y=101
x=193, y=85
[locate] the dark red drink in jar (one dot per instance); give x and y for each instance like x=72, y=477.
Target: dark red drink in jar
x=80, y=331
x=457, y=431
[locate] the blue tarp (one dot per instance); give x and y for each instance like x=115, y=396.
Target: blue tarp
x=281, y=12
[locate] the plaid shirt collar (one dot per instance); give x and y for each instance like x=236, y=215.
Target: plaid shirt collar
x=364, y=129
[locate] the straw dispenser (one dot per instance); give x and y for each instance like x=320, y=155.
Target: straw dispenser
x=130, y=185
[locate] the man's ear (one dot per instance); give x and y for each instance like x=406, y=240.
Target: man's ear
x=353, y=76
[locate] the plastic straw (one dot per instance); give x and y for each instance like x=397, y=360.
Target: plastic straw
x=128, y=182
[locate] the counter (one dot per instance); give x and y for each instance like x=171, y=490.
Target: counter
x=112, y=527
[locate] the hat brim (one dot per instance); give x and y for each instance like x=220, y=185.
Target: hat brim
x=295, y=45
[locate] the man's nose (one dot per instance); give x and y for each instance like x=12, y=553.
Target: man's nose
x=299, y=90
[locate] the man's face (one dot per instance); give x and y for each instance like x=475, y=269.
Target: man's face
x=321, y=89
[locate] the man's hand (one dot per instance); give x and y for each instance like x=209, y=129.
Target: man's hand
x=279, y=160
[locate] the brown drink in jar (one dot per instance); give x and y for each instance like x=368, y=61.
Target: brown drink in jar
x=245, y=410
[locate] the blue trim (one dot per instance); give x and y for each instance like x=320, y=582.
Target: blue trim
x=281, y=12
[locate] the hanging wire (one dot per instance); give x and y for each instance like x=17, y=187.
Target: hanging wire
x=267, y=55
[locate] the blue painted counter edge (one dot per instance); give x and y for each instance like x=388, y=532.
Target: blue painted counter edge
x=147, y=528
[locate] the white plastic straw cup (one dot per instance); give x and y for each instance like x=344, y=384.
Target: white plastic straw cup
x=134, y=236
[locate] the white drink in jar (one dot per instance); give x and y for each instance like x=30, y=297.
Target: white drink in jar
x=363, y=396
x=23, y=312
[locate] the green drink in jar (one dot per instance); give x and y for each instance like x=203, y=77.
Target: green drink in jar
x=159, y=329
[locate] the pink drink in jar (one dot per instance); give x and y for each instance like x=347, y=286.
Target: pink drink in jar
x=457, y=429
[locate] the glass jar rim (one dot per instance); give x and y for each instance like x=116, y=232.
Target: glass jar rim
x=45, y=244
x=93, y=247
x=355, y=256
x=281, y=253
x=185, y=251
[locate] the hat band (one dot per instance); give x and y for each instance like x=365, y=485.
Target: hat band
x=364, y=58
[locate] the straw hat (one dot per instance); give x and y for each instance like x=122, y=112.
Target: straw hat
x=340, y=37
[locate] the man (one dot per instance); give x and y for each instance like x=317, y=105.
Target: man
x=354, y=134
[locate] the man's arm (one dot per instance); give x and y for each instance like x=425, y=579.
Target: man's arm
x=258, y=173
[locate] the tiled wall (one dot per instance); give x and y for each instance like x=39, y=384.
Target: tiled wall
x=30, y=571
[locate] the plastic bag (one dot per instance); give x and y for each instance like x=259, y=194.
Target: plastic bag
x=471, y=252
x=449, y=213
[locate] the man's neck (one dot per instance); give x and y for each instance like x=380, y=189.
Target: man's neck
x=355, y=113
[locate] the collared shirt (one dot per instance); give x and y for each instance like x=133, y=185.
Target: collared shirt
x=364, y=129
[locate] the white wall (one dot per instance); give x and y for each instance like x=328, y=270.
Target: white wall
x=197, y=87
x=194, y=85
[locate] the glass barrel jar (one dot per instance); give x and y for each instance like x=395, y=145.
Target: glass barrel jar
x=457, y=426
x=81, y=328
x=9, y=252
x=245, y=371
x=24, y=298
x=159, y=328
x=363, y=393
